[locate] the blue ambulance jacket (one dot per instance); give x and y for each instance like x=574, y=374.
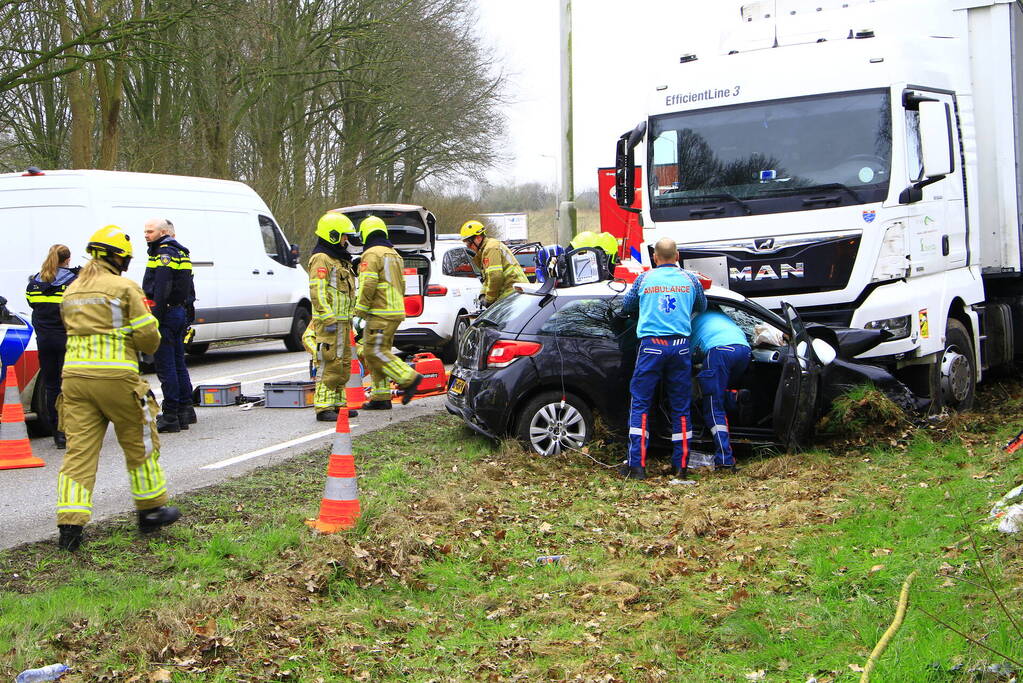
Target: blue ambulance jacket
x=712, y=329
x=666, y=297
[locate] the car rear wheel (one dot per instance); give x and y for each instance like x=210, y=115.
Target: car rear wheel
x=449, y=354
x=550, y=426
x=197, y=349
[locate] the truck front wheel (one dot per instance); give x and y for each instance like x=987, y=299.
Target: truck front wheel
x=958, y=368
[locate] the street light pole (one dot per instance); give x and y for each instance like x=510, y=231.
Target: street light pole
x=566, y=213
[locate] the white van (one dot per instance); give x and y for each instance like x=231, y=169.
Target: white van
x=247, y=282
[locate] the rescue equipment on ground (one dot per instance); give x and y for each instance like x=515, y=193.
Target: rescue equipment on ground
x=339, y=507
x=15, y=448
x=298, y=394
x=216, y=395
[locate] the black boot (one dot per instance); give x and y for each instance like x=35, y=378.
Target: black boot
x=328, y=415
x=186, y=416
x=154, y=518
x=408, y=392
x=70, y=537
x=731, y=469
x=60, y=440
x=679, y=472
x=632, y=472
x=377, y=405
x=168, y=424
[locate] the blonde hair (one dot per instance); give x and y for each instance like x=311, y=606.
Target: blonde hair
x=57, y=255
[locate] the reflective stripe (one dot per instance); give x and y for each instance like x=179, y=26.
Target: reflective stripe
x=147, y=480
x=42, y=299
x=142, y=321
x=678, y=436
x=637, y=431
x=718, y=428
x=116, y=316
x=341, y=488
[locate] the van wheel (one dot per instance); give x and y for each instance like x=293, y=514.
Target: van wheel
x=549, y=428
x=197, y=349
x=957, y=368
x=293, y=342
x=449, y=354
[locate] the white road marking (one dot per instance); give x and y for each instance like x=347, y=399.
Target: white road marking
x=266, y=451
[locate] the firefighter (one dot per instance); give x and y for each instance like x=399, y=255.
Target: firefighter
x=725, y=352
x=500, y=269
x=381, y=302
x=108, y=326
x=44, y=293
x=332, y=291
x=665, y=297
x=168, y=284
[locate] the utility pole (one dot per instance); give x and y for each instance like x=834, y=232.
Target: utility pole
x=566, y=212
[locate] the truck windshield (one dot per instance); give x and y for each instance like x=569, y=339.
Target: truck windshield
x=768, y=157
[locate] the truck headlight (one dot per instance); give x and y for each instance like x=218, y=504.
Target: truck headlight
x=899, y=327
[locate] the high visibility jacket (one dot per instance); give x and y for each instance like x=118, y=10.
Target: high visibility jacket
x=108, y=325
x=168, y=278
x=500, y=269
x=45, y=297
x=332, y=291
x=381, y=284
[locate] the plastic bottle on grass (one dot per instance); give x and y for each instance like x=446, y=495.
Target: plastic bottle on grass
x=47, y=673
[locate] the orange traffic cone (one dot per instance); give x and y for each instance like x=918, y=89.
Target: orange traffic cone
x=355, y=394
x=339, y=507
x=15, y=449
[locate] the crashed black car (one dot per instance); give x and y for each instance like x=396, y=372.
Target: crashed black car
x=540, y=367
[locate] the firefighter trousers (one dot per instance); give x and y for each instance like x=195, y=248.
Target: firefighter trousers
x=86, y=406
x=381, y=363
x=333, y=369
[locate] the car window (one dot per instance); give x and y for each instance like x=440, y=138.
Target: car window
x=507, y=309
x=593, y=318
x=458, y=263
x=748, y=321
x=273, y=242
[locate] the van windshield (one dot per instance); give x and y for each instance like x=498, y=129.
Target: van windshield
x=767, y=157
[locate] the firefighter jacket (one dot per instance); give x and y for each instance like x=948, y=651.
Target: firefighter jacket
x=168, y=278
x=108, y=326
x=332, y=292
x=381, y=283
x=500, y=269
x=45, y=297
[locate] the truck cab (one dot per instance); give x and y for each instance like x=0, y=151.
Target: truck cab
x=858, y=161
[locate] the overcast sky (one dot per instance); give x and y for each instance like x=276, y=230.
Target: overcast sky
x=619, y=49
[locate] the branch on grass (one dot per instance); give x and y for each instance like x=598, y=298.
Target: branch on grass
x=971, y=639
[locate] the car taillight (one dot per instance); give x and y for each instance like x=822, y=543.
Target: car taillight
x=413, y=306
x=436, y=290
x=505, y=351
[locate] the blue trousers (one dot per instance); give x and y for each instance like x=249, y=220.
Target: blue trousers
x=722, y=367
x=170, y=361
x=52, y=346
x=661, y=359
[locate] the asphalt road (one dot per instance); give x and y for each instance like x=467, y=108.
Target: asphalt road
x=227, y=442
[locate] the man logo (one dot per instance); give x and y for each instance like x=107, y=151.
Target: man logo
x=763, y=243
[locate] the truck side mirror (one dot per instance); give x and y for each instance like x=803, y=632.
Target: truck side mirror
x=625, y=189
x=936, y=139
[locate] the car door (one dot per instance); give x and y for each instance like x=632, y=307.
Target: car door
x=279, y=273
x=795, y=404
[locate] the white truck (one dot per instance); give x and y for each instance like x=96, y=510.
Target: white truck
x=861, y=160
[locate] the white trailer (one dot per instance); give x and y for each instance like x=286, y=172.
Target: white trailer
x=860, y=160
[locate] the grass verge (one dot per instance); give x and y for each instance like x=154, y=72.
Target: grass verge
x=788, y=570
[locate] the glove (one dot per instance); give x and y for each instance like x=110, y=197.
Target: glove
x=189, y=334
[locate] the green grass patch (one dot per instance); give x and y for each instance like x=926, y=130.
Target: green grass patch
x=789, y=570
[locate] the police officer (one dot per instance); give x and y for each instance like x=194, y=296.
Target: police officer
x=168, y=284
x=108, y=326
x=726, y=354
x=381, y=302
x=665, y=298
x=500, y=269
x=332, y=291
x=44, y=293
